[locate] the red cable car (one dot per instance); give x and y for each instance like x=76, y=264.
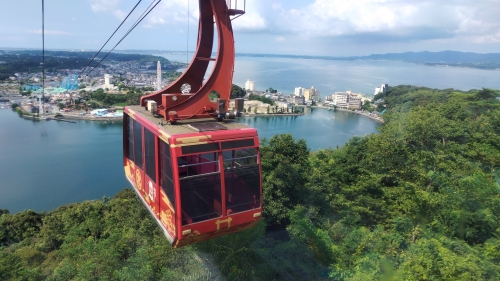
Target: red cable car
x=195, y=169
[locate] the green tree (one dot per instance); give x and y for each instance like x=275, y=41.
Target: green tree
x=284, y=169
x=271, y=90
x=367, y=106
x=237, y=92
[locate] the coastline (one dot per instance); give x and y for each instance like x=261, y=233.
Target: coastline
x=72, y=117
x=363, y=113
x=272, y=114
x=89, y=117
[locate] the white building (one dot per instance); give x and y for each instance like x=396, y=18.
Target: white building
x=158, y=77
x=341, y=99
x=382, y=89
x=107, y=80
x=250, y=85
x=347, y=100
x=299, y=92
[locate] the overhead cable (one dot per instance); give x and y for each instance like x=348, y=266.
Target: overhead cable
x=146, y=12
x=110, y=37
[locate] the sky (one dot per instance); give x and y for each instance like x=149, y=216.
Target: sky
x=299, y=27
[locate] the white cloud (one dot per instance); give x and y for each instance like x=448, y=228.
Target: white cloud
x=251, y=22
x=407, y=19
x=103, y=5
x=111, y=7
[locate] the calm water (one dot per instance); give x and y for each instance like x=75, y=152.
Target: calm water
x=319, y=127
x=44, y=165
x=48, y=164
x=329, y=76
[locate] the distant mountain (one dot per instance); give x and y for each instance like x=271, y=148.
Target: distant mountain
x=451, y=58
x=444, y=58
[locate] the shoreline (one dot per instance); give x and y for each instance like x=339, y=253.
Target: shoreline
x=272, y=114
x=375, y=118
x=88, y=117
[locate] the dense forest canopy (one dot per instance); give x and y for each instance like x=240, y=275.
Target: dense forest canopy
x=418, y=201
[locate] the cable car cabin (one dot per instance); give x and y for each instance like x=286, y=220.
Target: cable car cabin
x=199, y=179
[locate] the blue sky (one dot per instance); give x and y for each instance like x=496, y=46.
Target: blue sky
x=309, y=27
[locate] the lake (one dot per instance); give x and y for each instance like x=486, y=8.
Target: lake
x=360, y=76
x=48, y=164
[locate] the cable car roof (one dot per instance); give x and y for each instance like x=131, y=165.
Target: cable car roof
x=186, y=126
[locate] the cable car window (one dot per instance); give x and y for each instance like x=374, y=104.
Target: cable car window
x=242, y=178
x=200, y=185
x=237, y=144
x=200, y=148
x=198, y=164
x=166, y=176
x=130, y=139
x=239, y=157
x=149, y=142
x=138, y=144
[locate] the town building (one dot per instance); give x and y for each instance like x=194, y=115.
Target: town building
x=250, y=85
x=299, y=100
x=382, y=89
x=341, y=99
x=347, y=100
x=299, y=91
x=354, y=102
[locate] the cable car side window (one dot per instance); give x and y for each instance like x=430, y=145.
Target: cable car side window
x=138, y=144
x=149, y=142
x=130, y=138
x=200, y=185
x=166, y=176
x=242, y=177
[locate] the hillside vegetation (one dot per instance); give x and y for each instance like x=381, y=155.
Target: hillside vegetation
x=418, y=201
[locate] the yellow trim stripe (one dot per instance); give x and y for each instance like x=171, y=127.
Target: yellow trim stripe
x=164, y=136
x=188, y=144
x=131, y=113
x=197, y=139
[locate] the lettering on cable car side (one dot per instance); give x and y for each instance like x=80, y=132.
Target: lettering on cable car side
x=167, y=214
x=152, y=192
x=130, y=170
x=138, y=179
x=166, y=217
x=133, y=174
x=228, y=221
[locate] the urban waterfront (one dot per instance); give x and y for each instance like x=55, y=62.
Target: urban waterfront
x=49, y=164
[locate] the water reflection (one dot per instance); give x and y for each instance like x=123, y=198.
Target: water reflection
x=319, y=127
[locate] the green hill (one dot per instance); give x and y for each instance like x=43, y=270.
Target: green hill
x=418, y=201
